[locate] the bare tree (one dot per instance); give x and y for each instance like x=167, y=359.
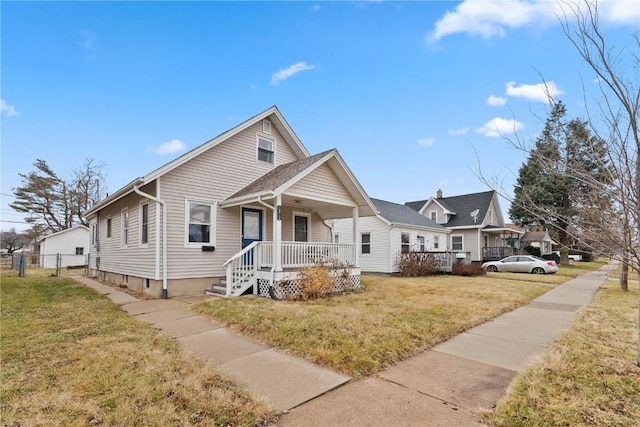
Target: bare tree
x=12, y=240
x=609, y=221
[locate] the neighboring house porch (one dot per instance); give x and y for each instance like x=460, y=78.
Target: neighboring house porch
x=499, y=242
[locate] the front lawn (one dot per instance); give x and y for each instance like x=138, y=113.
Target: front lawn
x=565, y=273
x=589, y=376
x=70, y=357
x=360, y=334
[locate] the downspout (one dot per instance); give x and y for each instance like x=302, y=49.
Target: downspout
x=273, y=232
x=164, y=237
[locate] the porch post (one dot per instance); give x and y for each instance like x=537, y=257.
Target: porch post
x=356, y=235
x=277, y=234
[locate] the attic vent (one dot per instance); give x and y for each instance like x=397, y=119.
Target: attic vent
x=474, y=215
x=266, y=126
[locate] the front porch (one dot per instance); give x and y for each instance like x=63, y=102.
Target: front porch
x=499, y=242
x=255, y=268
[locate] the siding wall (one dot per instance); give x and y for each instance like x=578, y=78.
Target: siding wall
x=322, y=181
x=386, y=242
x=64, y=243
x=470, y=242
x=212, y=177
x=134, y=259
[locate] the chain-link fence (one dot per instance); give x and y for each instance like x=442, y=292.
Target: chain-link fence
x=45, y=264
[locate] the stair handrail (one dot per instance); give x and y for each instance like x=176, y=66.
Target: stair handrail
x=242, y=252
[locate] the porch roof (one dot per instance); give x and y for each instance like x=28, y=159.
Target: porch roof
x=494, y=229
x=283, y=177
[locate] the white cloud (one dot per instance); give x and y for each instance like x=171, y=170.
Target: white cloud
x=8, y=109
x=170, y=147
x=315, y=7
x=292, y=70
x=492, y=18
x=498, y=126
x=426, y=142
x=496, y=101
x=462, y=131
x=539, y=92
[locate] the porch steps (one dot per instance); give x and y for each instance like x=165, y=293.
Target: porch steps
x=216, y=291
x=220, y=289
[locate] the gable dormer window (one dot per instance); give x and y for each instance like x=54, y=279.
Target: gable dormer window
x=265, y=150
x=266, y=127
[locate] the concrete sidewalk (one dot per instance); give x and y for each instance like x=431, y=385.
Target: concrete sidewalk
x=282, y=380
x=446, y=386
x=454, y=382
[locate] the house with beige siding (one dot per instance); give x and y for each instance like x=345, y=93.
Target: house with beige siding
x=241, y=213
x=475, y=221
x=395, y=229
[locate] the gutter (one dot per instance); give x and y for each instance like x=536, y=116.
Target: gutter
x=164, y=238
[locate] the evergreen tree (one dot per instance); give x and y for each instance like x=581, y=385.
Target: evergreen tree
x=550, y=189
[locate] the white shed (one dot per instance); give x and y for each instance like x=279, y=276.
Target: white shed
x=72, y=244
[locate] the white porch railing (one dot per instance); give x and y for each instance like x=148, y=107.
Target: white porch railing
x=303, y=254
x=242, y=267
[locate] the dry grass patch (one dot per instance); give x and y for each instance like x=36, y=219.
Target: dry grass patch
x=589, y=376
x=360, y=334
x=71, y=357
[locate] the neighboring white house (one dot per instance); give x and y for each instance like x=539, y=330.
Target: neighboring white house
x=475, y=221
x=395, y=229
x=242, y=212
x=71, y=245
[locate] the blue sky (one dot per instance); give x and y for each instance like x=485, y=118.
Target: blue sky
x=408, y=92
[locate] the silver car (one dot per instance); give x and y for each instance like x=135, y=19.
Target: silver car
x=522, y=264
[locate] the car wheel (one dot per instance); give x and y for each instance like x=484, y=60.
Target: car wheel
x=492, y=268
x=538, y=270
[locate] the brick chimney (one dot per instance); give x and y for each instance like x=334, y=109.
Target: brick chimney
x=439, y=194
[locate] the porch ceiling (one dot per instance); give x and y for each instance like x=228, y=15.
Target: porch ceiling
x=325, y=209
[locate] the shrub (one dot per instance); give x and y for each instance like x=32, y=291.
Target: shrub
x=469, y=270
x=532, y=250
x=416, y=264
x=552, y=257
x=320, y=280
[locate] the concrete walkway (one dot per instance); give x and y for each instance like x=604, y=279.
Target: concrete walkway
x=451, y=384
x=282, y=380
x=446, y=386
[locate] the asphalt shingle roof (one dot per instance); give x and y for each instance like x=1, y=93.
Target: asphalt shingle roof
x=462, y=206
x=402, y=214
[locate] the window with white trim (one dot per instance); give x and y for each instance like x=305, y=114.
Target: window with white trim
x=108, y=227
x=433, y=215
x=94, y=234
x=301, y=223
x=125, y=227
x=266, y=150
x=79, y=250
x=365, y=239
x=456, y=243
x=404, y=243
x=336, y=238
x=144, y=224
x=200, y=223
x=266, y=126
x=421, y=243
x=436, y=241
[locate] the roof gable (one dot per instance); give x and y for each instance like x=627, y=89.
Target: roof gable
x=285, y=176
x=272, y=114
x=461, y=207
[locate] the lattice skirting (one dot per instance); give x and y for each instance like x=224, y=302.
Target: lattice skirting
x=289, y=288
